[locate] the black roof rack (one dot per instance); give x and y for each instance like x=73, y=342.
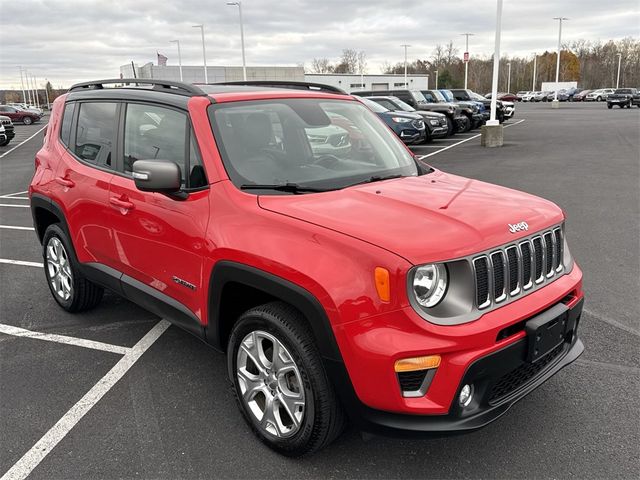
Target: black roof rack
x=179, y=88
x=319, y=87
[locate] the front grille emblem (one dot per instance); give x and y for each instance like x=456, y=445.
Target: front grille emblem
x=518, y=227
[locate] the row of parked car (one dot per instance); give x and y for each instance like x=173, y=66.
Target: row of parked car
x=419, y=116
x=21, y=112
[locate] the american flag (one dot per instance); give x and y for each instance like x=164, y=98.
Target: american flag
x=162, y=60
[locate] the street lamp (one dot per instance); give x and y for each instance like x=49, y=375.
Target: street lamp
x=406, y=83
x=555, y=95
x=244, y=64
x=24, y=94
x=496, y=68
x=509, y=77
x=436, y=79
x=535, y=61
x=177, y=42
x=46, y=92
x=466, y=58
x=204, y=52
x=619, y=62
x=35, y=89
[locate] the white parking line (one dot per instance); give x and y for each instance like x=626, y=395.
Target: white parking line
x=12, y=194
x=30, y=460
x=24, y=141
x=421, y=157
x=21, y=262
x=15, y=206
x=13, y=227
x=51, y=337
x=14, y=198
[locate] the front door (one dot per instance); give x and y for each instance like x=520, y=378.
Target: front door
x=160, y=240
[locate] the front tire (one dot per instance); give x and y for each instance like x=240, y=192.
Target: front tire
x=279, y=381
x=609, y=106
x=69, y=287
x=450, y=127
x=27, y=120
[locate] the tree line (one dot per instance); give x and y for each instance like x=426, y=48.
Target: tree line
x=591, y=64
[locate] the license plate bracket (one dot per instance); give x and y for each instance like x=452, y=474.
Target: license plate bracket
x=546, y=331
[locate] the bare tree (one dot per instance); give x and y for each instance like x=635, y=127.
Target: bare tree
x=450, y=52
x=321, y=65
x=362, y=62
x=438, y=56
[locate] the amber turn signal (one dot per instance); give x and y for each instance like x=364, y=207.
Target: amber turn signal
x=382, y=284
x=417, y=363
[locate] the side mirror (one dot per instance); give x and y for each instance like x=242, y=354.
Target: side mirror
x=157, y=176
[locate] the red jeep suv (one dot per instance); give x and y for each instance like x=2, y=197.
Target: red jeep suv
x=342, y=283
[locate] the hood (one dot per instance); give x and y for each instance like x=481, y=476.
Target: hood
x=422, y=219
x=403, y=114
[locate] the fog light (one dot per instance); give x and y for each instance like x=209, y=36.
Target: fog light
x=466, y=394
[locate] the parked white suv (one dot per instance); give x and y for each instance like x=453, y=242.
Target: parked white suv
x=599, y=95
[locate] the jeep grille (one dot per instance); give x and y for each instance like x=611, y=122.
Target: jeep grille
x=515, y=268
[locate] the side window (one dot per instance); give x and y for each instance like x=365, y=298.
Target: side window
x=155, y=133
x=96, y=132
x=67, y=118
x=428, y=97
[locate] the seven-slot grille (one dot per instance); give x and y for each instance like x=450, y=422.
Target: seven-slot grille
x=513, y=269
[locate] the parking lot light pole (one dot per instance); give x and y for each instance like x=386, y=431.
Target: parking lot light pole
x=406, y=83
x=24, y=94
x=535, y=61
x=177, y=42
x=618, y=77
x=244, y=64
x=555, y=94
x=466, y=58
x=35, y=90
x=204, y=52
x=509, y=77
x=492, y=133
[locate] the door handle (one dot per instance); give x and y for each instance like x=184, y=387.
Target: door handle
x=121, y=203
x=65, y=182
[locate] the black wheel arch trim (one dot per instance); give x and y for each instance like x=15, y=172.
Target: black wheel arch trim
x=226, y=271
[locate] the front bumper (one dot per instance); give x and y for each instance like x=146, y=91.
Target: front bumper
x=412, y=136
x=475, y=353
x=439, y=131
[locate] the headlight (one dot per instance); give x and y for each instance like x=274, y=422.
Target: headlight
x=400, y=119
x=434, y=122
x=430, y=284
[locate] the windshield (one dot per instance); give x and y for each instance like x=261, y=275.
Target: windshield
x=373, y=106
x=438, y=96
x=313, y=143
x=419, y=97
x=447, y=95
x=403, y=105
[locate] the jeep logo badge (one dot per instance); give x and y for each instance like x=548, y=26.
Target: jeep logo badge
x=517, y=227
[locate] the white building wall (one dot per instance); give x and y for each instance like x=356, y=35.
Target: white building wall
x=195, y=74
x=351, y=82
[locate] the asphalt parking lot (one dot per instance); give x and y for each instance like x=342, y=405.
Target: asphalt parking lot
x=114, y=393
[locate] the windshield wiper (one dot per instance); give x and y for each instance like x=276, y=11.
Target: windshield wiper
x=376, y=178
x=283, y=187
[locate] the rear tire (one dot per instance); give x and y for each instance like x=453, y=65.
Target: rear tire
x=270, y=399
x=27, y=120
x=4, y=143
x=69, y=287
x=609, y=106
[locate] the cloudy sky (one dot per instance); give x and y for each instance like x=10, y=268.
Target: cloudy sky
x=74, y=40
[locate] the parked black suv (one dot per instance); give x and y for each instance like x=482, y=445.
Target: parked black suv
x=468, y=95
x=457, y=122
x=469, y=109
x=436, y=123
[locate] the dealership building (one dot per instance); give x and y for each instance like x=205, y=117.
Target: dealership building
x=215, y=74
x=345, y=81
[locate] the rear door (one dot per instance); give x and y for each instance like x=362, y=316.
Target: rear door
x=159, y=240
x=81, y=181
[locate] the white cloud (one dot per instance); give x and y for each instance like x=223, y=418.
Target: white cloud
x=73, y=40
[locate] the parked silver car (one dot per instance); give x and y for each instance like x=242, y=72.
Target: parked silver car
x=599, y=95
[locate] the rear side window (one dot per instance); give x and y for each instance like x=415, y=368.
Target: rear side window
x=65, y=128
x=95, y=133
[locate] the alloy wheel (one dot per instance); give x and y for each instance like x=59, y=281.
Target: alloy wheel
x=59, y=269
x=270, y=384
